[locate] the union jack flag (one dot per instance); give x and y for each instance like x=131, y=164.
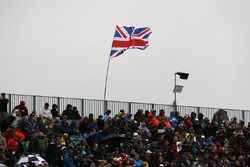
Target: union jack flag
x=129, y=38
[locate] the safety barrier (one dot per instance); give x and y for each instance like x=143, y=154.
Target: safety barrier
x=97, y=107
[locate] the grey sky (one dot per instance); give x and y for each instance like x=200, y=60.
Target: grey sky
x=61, y=48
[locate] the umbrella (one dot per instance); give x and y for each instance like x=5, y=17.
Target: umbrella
x=23, y=160
x=113, y=137
x=76, y=138
x=222, y=113
x=114, y=140
x=94, y=137
x=36, y=159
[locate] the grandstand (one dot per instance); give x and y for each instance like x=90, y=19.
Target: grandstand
x=117, y=134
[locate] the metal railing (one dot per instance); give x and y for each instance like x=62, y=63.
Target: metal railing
x=97, y=107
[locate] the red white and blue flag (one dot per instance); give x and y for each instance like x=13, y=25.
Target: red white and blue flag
x=129, y=38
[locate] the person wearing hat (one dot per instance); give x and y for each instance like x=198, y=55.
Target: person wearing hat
x=68, y=159
x=149, y=158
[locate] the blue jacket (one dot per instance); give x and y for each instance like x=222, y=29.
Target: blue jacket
x=68, y=161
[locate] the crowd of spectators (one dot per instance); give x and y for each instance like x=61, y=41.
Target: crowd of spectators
x=145, y=139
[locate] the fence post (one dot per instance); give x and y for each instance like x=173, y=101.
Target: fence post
x=58, y=104
x=105, y=106
x=243, y=115
x=198, y=111
x=152, y=106
x=82, y=101
x=129, y=107
x=10, y=104
x=34, y=103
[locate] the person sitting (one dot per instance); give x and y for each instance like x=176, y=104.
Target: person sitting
x=22, y=108
x=46, y=111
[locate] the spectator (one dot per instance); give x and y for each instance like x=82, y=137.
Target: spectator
x=3, y=105
x=21, y=108
x=139, y=115
x=137, y=161
x=33, y=143
x=68, y=159
x=100, y=122
x=42, y=144
x=46, y=111
x=147, y=140
x=76, y=115
x=107, y=116
x=32, y=122
x=12, y=144
x=68, y=112
x=161, y=115
x=121, y=114
x=52, y=151
x=149, y=158
x=54, y=111
x=65, y=140
x=2, y=143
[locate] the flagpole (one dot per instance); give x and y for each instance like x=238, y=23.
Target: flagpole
x=105, y=88
x=105, y=106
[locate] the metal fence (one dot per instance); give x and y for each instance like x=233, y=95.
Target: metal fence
x=97, y=107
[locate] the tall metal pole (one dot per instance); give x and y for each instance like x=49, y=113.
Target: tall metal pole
x=175, y=105
x=105, y=88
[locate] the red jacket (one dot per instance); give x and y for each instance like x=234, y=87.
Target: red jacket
x=21, y=107
x=12, y=144
x=19, y=134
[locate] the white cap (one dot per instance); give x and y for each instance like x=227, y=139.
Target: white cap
x=135, y=134
x=148, y=152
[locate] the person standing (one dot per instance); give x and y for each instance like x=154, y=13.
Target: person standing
x=68, y=112
x=76, y=115
x=54, y=111
x=52, y=151
x=3, y=105
x=68, y=159
x=2, y=143
x=21, y=108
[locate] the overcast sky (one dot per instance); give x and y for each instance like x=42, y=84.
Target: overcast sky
x=61, y=48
